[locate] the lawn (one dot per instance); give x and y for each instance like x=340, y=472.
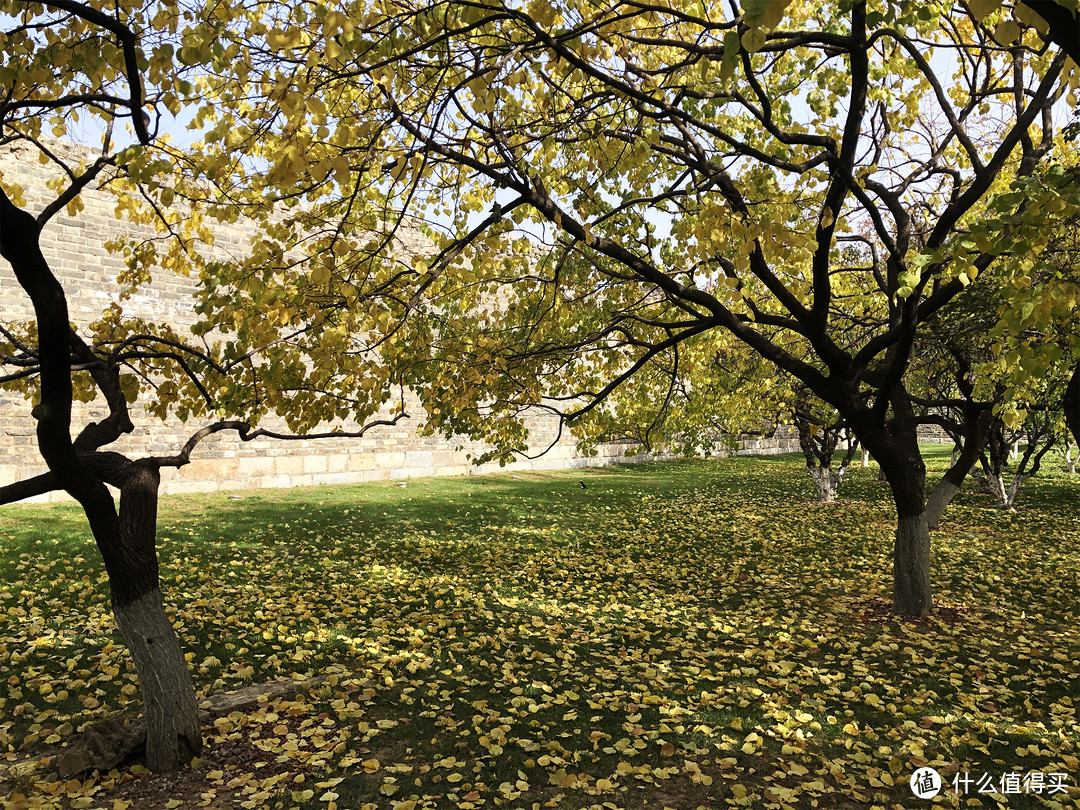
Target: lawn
x=683, y=635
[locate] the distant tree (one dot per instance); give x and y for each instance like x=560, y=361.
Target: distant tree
x=1003, y=479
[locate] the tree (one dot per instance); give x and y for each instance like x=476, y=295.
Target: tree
x=691, y=171
x=1039, y=435
x=309, y=358
x=820, y=433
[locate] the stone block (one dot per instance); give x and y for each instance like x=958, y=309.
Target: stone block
x=419, y=459
x=289, y=465
x=412, y=472
x=254, y=466
x=388, y=460
x=360, y=461
x=454, y=469
x=333, y=478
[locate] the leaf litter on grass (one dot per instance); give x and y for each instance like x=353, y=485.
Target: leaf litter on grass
x=679, y=635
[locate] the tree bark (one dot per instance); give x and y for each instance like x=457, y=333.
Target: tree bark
x=172, y=714
x=912, y=593
x=977, y=425
x=826, y=482
x=897, y=449
x=940, y=498
x=173, y=735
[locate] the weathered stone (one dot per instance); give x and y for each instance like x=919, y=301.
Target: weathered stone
x=102, y=746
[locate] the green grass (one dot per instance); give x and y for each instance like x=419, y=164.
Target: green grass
x=683, y=634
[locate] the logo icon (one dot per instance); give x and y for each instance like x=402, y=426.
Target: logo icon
x=926, y=783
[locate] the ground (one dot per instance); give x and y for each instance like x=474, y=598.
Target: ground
x=677, y=635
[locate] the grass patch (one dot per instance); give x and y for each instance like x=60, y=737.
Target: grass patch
x=684, y=634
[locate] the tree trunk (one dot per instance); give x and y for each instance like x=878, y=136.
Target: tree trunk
x=912, y=594
x=940, y=498
x=1071, y=403
x=126, y=540
x=995, y=483
x=173, y=736
x=172, y=714
x=826, y=483
x=897, y=450
x=977, y=425
x=865, y=458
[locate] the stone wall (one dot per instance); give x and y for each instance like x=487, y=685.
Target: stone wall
x=74, y=247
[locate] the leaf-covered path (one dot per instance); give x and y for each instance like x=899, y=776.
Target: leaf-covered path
x=678, y=635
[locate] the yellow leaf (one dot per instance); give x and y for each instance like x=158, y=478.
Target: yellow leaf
x=1029, y=16
x=980, y=9
x=1007, y=32
x=753, y=40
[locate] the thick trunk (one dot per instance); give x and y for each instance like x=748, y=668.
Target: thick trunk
x=897, y=450
x=172, y=715
x=865, y=458
x=1071, y=404
x=912, y=594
